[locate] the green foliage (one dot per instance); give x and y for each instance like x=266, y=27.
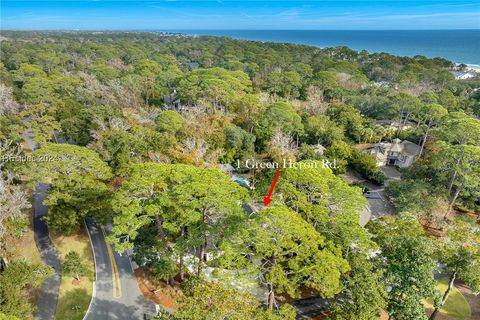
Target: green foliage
x=246, y=108
x=80, y=127
x=409, y=265
x=341, y=152
x=77, y=178
x=460, y=252
x=290, y=254
x=364, y=290
x=461, y=163
x=219, y=86
x=366, y=165
x=169, y=121
x=320, y=129
x=211, y=301
x=239, y=142
x=119, y=148
x=15, y=282
x=350, y=119
x=10, y=126
x=155, y=254
x=326, y=80
x=285, y=84
x=42, y=121
x=26, y=71
x=324, y=201
x=72, y=265
x=7, y=317
x=177, y=197
x=308, y=152
x=460, y=129
x=104, y=72
x=279, y=115
x=418, y=197
x=102, y=92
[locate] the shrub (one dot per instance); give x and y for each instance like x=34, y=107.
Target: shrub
x=366, y=165
x=74, y=266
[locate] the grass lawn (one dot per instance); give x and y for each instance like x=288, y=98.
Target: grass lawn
x=25, y=247
x=74, y=296
x=456, y=307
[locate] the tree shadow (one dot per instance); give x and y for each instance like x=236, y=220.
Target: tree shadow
x=102, y=309
x=73, y=305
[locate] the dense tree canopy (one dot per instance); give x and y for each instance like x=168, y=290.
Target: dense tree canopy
x=290, y=253
x=211, y=301
x=15, y=282
x=77, y=178
x=177, y=198
x=151, y=167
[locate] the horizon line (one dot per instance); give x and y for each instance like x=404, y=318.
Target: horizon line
x=260, y=29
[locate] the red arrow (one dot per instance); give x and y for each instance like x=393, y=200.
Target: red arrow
x=268, y=199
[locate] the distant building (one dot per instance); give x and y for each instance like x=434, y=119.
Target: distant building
x=172, y=101
x=227, y=168
x=396, y=153
x=464, y=75
x=394, y=124
x=193, y=65
x=319, y=149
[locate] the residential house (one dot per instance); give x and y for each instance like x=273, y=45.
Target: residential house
x=464, y=75
x=394, y=124
x=193, y=65
x=172, y=101
x=396, y=153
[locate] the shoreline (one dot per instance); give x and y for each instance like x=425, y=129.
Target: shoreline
x=290, y=37
x=473, y=67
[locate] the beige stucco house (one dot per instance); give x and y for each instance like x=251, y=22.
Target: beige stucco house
x=396, y=153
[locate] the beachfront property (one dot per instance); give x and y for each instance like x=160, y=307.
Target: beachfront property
x=396, y=153
x=464, y=75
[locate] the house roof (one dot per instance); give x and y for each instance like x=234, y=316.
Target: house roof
x=193, y=64
x=380, y=150
x=396, y=145
x=227, y=168
x=319, y=148
x=170, y=98
x=463, y=74
x=411, y=148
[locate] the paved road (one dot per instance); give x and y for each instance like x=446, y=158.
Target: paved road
x=378, y=203
x=309, y=308
x=116, y=294
x=48, y=295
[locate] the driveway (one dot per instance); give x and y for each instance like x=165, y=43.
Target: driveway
x=116, y=295
x=378, y=203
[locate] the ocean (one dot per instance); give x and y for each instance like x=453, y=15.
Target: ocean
x=460, y=46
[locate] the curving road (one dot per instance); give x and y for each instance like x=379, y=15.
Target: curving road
x=116, y=295
x=48, y=294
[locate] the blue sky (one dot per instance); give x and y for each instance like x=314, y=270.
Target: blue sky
x=224, y=14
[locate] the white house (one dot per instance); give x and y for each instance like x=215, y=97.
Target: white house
x=394, y=124
x=396, y=153
x=463, y=75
